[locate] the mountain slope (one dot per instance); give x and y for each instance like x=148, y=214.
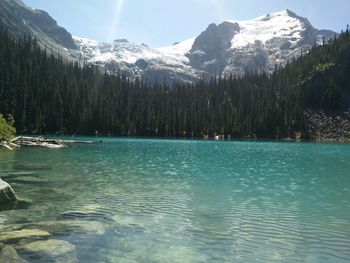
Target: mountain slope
x=21, y=20
x=135, y=60
x=232, y=47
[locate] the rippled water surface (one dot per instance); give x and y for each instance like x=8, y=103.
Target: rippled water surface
x=136, y=200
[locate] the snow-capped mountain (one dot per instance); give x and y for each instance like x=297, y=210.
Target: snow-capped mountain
x=232, y=47
x=136, y=60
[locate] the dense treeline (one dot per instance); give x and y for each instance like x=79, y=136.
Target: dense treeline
x=47, y=94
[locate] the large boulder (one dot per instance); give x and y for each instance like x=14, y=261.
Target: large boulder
x=57, y=251
x=6, y=193
x=9, y=255
x=21, y=234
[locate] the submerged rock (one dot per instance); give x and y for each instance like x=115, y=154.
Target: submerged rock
x=24, y=233
x=9, y=255
x=6, y=193
x=28, y=167
x=15, y=205
x=51, y=250
x=86, y=216
x=69, y=226
x=29, y=179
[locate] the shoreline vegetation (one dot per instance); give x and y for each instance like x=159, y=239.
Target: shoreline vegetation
x=339, y=135
x=323, y=128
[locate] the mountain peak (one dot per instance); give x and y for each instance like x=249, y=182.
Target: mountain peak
x=286, y=13
x=230, y=47
x=122, y=40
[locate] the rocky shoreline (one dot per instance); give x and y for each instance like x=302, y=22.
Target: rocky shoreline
x=325, y=127
x=49, y=240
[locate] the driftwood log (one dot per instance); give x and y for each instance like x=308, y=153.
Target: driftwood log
x=37, y=141
x=43, y=142
x=40, y=142
x=6, y=146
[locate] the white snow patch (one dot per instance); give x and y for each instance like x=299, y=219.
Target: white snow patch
x=267, y=27
x=130, y=52
x=179, y=50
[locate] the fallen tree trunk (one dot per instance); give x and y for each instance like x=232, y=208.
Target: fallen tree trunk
x=43, y=142
x=38, y=141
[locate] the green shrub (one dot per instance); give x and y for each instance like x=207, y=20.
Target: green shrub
x=7, y=131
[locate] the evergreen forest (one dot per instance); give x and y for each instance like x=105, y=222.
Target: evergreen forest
x=46, y=94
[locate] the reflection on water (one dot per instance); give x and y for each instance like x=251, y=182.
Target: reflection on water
x=139, y=200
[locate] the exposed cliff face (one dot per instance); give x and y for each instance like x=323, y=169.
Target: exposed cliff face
x=209, y=50
x=22, y=20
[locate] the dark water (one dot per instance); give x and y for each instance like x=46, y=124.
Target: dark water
x=136, y=200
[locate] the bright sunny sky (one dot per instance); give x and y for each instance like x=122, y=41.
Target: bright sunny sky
x=162, y=22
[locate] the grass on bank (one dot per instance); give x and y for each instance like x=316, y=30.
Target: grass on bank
x=7, y=131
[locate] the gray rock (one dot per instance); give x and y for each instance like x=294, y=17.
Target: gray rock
x=16, y=205
x=9, y=255
x=324, y=127
x=20, y=234
x=51, y=250
x=6, y=193
x=72, y=226
x=29, y=179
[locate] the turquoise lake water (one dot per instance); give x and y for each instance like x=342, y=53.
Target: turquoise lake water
x=157, y=200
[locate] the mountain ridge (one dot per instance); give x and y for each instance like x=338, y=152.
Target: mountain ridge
x=232, y=47
x=22, y=20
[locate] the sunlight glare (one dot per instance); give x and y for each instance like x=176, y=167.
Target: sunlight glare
x=116, y=19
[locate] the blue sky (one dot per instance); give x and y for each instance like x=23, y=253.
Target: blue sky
x=162, y=22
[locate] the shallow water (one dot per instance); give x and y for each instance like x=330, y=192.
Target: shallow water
x=139, y=200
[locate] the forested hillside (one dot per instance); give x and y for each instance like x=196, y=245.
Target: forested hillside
x=46, y=94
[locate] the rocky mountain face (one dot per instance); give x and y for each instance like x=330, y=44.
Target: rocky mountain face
x=208, y=51
x=22, y=20
x=235, y=47
x=232, y=47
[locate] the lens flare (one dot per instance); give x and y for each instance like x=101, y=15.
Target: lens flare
x=118, y=8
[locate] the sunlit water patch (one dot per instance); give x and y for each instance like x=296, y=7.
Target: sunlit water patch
x=135, y=200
